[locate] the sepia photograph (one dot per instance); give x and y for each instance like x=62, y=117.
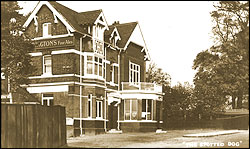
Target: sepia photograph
x=124, y=74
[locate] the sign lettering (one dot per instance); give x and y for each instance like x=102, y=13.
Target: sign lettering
x=52, y=43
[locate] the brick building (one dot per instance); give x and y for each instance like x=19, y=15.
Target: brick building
x=97, y=71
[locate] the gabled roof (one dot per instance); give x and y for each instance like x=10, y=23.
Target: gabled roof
x=125, y=30
x=88, y=17
x=127, y=33
x=73, y=18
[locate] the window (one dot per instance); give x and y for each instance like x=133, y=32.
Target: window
x=46, y=29
x=47, y=67
x=99, y=109
x=89, y=64
x=147, y=108
x=130, y=109
x=90, y=105
x=95, y=66
x=134, y=73
x=47, y=99
x=112, y=73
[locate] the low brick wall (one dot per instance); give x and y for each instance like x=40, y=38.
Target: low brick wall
x=89, y=127
x=235, y=122
x=138, y=126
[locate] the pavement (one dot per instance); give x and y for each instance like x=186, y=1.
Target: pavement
x=211, y=134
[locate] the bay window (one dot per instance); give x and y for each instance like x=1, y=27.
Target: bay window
x=95, y=66
x=99, y=109
x=147, y=109
x=130, y=109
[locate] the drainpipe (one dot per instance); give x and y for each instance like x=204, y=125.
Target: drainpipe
x=119, y=82
x=105, y=92
x=80, y=86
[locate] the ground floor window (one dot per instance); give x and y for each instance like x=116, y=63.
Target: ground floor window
x=130, y=109
x=147, y=109
x=47, y=99
x=99, y=109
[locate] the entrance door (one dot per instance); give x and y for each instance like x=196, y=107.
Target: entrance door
x=113, y=115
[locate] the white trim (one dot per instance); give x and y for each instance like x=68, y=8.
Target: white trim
x=36, y=54
x=115, y=30
x=50, y=84
x=130, y=40
x=96, y=85
x=52, y=37
x=64, y=83
x=98, y=108
x=91, y=104
x=106, y=61
x=54, y=11
x=48, y=89
x=115, y=64
x=53, y=76
x=47, y=98
x=104, y=19
x=140, y=96
x=112, y=83
x=67, y=51
x=5, y=96
x=151, y=121
x=77, y=95
x=99, y=119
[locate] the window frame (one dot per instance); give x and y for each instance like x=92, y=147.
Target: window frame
x=46, y=65
x=131, y=109
x=90, y=105
x=146, y=108
x=47, y=100
x=132, y=71
x=93, y=64
x=99, y=109
x=47, y=29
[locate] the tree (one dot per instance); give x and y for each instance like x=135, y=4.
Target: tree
x=179, y=103
x=156, y=75
x=15, y=46
x=223, y=70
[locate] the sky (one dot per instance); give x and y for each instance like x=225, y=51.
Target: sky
x=174, y=31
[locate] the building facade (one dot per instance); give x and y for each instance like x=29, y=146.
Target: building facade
x=97, y=71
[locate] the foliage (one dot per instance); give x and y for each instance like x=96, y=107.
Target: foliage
x=179, y=102
x=156, y=75
x=223, y=70
x=15, y=46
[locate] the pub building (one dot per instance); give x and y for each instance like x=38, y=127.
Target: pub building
x=95, y=70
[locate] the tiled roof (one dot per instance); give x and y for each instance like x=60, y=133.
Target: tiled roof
x=125, y=30
x=88, y=17
x=74, y=18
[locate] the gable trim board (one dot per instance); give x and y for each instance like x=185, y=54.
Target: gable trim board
x=54, y=11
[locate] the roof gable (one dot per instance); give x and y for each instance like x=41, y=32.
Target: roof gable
x=131, y=32
x=71, y=19
x=55, y=13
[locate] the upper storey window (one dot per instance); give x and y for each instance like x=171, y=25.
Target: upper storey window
x=47, y=64
x=134, y=73
x=47, y=29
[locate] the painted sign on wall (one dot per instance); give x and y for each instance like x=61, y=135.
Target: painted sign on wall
x=53, y=43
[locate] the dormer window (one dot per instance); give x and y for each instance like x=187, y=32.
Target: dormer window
x=46, y=29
